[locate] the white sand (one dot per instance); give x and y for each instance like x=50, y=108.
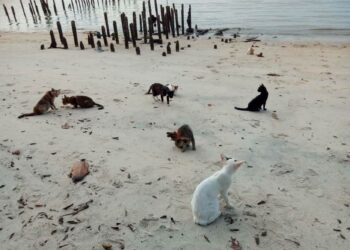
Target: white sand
x=299, y=161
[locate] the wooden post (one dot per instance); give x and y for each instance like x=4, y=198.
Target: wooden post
x=164, y=24
x=150, y=9
x=112, y=47
x=24, y=13
x=158, y=21
x=168, y=48
x=37, y=10
x=64, y=7
x=189, y=21
x=170, y=19
x=177, y=23
x=140, y=19
x=125, y=30
x=172, y=22
x=64, y=42
x=32, y=12
x=182, y=20
x=150, y=33
x=82, y=45
x=107, y=25
x=104, y=35
x=74, y=29
x=14, y=13
x=59, y=28
x=133, y=38
x=144, y=26
x=72, y=4
x=115, y=32
x=138, y=52
x=134, y=24
x=53, y=40
x=177, y=46
x=54, y=7
x=99, y=45
x=92, y=40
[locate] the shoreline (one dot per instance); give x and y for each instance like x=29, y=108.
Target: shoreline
x=141, y=185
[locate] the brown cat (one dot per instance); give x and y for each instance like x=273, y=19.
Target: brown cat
x=183, y=137
x=160, y=89
x=45, y=103
x=80, y=101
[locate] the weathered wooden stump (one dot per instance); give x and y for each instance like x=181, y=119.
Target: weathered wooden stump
x=65, y=43
x=215, y=46
x=104, y=35
x=107, y=25
x=111, y=46
x=115, y=29
x=138, y=51
x=82, y=47
x=42, y=47
x=53, y=40
x=168, y=48
x=177, y=46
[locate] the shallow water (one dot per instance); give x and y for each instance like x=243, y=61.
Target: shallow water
x=303, y=18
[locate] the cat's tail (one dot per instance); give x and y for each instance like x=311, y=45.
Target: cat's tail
x=149, y=91
x=245, y=109
x=24, y=115
x=99, y=106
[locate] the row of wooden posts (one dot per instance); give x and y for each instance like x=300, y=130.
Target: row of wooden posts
x=166, y=22
x=35, y=13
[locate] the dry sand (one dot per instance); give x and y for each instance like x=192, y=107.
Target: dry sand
x=297, y=151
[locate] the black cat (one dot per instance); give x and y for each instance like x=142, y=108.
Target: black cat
x=160, y=89
x=257, y=102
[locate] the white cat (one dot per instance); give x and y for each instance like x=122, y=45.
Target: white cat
x=205, y=200
x=251, y=50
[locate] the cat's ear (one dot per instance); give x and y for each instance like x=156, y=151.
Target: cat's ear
x=238, y=164
x=223, y=158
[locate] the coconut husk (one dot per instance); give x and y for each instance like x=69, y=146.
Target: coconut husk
x=79, y=170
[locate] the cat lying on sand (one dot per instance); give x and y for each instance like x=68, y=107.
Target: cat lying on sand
x=44, y=104
x=257, y=102
x=80, y=101
x=183, y=137
x=205, y=201
x=159, y=89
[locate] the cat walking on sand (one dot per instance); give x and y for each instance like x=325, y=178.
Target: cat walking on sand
x=44, y=104
x=162, y=90
x=205, y=201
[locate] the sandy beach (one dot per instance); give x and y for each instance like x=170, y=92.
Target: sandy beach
x=293, y=193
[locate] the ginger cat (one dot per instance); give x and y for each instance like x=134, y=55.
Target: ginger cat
x=45, y=103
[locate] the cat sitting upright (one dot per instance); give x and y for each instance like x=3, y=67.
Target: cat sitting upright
x=80, y=101
x=159, y=89
x=183, y=137
x=257, y=102
x=44, y=104
x=205, y=200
